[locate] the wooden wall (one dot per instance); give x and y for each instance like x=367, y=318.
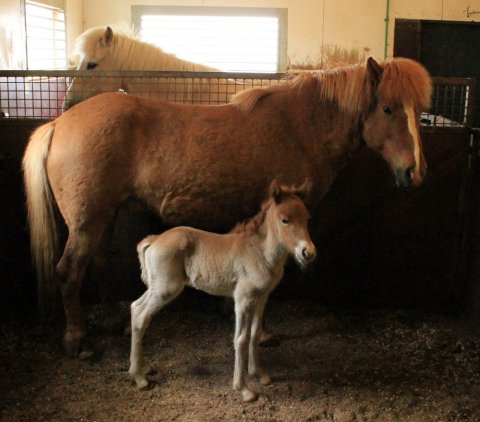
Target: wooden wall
x=378, y=245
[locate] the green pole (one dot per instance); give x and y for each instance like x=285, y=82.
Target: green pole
x=387, y=20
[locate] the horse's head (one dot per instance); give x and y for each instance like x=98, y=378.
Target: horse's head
x=401, y=91
x=94, y=50
x=289, y=217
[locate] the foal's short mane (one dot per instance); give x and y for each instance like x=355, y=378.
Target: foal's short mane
x=403, y=81
x=129, y=52
x=254, y=224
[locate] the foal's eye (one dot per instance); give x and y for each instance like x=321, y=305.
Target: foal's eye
x=91, y=65
x=285, y=221
x=387, y=110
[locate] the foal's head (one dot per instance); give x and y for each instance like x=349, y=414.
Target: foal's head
x=288, y=216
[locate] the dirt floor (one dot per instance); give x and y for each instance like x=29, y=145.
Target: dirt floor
x=330, y=365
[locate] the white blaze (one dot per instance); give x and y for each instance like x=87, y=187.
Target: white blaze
x=412, y=127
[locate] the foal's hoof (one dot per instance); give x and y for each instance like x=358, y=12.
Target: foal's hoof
x=265, y=379
x=141, y=382
x=248, y=395
x=269, y=340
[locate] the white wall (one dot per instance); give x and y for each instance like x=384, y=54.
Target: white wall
x=328, y=31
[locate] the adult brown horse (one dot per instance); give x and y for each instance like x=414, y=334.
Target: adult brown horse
x=207, y=166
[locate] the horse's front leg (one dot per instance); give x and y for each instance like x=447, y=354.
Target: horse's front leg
x=254, y=368
x=243, y=322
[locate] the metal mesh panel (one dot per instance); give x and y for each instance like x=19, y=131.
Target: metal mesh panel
x=452, y=103
x=41, y=94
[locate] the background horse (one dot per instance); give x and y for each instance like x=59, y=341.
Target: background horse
x=103, y=48
x=245, y=264
x=206, y=166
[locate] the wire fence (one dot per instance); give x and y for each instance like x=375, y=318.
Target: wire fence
x=45, y=94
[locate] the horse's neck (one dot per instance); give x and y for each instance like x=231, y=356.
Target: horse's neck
x=330, y=133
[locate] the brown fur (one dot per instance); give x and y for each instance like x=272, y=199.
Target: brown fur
x=207, y=166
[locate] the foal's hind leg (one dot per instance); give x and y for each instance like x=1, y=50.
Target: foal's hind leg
x=71, y=271
x=160, y=293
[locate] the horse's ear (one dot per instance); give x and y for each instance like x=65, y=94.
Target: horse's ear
x=107, y=37
x=275, y=191
x=374, y=70
x=305, y=189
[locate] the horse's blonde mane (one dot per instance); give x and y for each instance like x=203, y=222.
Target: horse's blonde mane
x=403, y=81
x=129, y=52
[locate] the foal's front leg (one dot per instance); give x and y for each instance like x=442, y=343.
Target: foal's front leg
x=254, y=368
x=243, y=322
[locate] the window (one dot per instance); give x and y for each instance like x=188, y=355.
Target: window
x=230, y=39
x=45, y=28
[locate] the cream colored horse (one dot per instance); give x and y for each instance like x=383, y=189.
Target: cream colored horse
x=104, y=49
x=246, y=264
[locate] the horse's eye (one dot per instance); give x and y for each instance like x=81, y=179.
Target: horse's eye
x=387, y=110
x=285, y=221
x=91, y=65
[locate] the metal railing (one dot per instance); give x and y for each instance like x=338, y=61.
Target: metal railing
x=41, y=94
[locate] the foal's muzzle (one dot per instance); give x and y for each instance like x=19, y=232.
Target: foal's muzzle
x=306, y=253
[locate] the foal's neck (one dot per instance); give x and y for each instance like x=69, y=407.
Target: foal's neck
x=274, y=252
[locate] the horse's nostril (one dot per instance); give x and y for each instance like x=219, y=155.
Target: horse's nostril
x=409, y=175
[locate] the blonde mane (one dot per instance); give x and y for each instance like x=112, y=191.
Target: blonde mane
x=402, y=80
x=129, y=52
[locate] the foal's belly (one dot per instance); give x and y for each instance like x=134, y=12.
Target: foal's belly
x=213, y=284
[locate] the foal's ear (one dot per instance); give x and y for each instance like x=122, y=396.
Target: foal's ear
x=275, y=191
x=305, y=189
x=107, y=37
x=374, y=70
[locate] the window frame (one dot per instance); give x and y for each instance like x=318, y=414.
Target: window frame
x=55, y=7
x=280, y=13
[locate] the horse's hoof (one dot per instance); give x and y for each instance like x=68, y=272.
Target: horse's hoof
x=77, y=347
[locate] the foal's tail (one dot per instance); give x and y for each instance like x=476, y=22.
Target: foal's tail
x=141, y=248
x=41, y=216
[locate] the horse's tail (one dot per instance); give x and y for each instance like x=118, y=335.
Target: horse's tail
x=41, y=218
x=141, y=248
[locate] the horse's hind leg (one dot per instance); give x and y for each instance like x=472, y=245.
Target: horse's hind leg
x=114, y=319
x=71, y=271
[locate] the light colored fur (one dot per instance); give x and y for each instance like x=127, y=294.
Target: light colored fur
x=245, y=264
x=127, y=52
